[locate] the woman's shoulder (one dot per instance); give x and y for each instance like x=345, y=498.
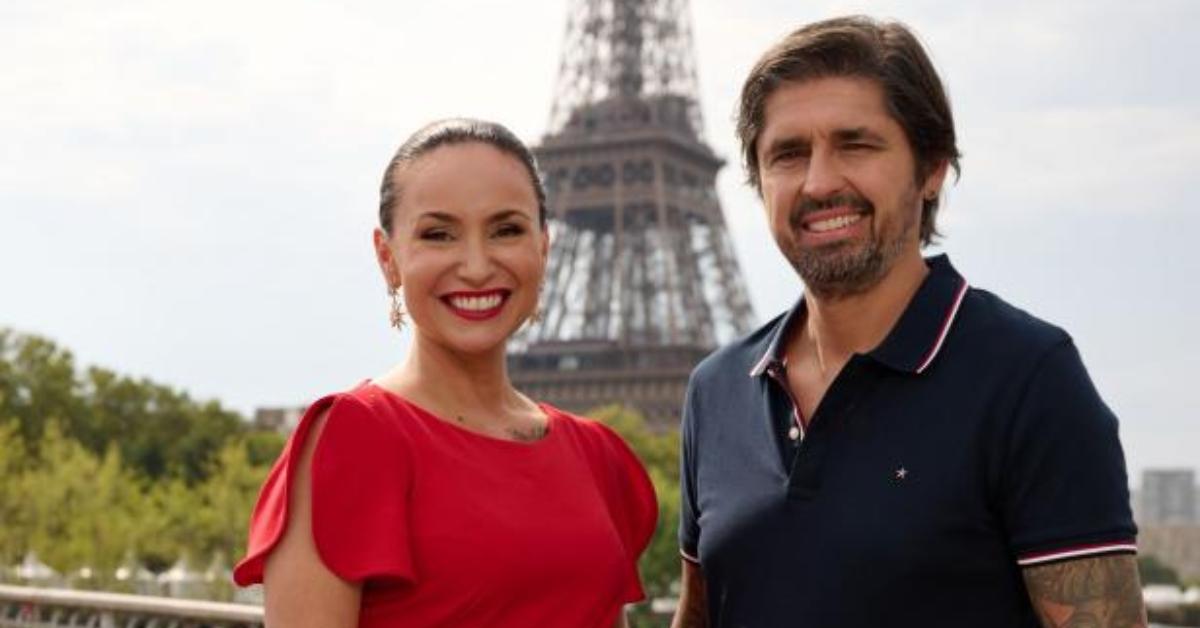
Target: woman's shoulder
x=620, y=474
x=351, y=418
x=368, y=402
x=600, y=441
x=595, y=433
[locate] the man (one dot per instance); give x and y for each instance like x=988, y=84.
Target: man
x=899, y=449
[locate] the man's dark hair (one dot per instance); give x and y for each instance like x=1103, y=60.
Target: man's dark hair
x=858, y=46
x=448, y=132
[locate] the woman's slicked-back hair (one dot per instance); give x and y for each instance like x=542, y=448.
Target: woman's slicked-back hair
x=857, y=46
x=445, y=133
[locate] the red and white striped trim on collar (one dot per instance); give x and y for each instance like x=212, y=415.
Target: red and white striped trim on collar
x=941, y=337
x=769, y=355
x=776, y=339
x=761, y=367
x=1079, y=551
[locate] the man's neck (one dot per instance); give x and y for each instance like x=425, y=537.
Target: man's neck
x=837, y=327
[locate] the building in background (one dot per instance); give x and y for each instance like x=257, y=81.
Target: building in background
x=1168, y=497
x=282, y=420
x=1168, y=519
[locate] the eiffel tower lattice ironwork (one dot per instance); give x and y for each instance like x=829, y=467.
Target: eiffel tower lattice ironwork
x=642, y=281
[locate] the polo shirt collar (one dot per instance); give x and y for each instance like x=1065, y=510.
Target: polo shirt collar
x=771, y=358
x=913, y=344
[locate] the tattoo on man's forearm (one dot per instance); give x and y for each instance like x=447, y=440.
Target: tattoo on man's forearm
x=1099, y=592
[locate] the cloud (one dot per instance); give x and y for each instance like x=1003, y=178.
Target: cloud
x=1112, y=159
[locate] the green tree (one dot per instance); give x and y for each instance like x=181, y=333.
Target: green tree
x=76, y=509
x=1154, y=571
x=94, y=464
x=263, y=447
x=169, y=527
x=13, y=462
x=37, y=382
x=226, y=499
x=160, y=431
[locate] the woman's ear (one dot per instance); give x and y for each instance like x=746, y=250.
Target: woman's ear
x=389, y=265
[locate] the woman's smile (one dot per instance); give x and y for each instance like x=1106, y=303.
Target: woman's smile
x=477, y=305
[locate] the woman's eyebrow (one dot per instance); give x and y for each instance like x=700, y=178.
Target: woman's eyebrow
x=506, y=214
x=436, y=215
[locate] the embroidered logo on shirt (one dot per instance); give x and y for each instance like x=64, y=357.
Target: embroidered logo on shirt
x=901, y=474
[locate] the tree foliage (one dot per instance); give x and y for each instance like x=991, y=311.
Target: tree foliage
x=1154, y=571
x=95, y=466
x=159, y=431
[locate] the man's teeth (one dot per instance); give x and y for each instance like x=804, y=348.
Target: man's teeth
x=829, y=224
x=476, y=303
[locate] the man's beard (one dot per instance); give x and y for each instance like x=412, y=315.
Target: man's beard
x=847, y=268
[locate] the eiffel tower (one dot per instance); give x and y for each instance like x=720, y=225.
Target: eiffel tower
x=642, y=281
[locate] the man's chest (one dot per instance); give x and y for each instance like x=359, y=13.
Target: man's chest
x=886, y=466
x=806, y=382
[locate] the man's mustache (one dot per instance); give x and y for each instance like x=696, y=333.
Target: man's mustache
x=808, y=205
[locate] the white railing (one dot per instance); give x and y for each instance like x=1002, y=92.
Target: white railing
x=27, y=607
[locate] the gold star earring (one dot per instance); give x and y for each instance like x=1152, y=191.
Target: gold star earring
x=396, y=311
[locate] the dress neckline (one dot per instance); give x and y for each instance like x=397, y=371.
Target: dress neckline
x=553, y=423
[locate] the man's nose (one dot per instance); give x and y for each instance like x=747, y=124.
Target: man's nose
x=823, y=178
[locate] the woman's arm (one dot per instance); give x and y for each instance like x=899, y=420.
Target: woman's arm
x=300, y=591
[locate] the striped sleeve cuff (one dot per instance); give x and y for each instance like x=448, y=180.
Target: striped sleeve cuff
x=1078, y=551
x=688, y=557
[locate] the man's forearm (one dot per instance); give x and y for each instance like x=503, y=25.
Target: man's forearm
x=693, y=598
x=1102, y=592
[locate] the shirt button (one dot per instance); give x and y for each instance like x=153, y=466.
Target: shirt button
x=794, y=433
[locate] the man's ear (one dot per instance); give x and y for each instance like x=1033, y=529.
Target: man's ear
x=933, y=183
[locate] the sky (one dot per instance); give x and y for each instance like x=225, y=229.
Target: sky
x=187, y=190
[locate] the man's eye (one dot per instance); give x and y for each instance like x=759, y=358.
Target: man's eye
x=785, y=156
x=858, y=146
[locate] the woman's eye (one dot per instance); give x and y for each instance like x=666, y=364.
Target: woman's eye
x=509, y=230
x=435, y=235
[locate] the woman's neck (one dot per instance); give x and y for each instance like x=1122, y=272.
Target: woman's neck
x=453, y=383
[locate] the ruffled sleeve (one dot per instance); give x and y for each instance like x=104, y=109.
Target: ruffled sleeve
x=630, y=497
x=360, y=478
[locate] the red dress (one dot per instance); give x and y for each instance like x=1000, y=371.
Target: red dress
x=446, y=527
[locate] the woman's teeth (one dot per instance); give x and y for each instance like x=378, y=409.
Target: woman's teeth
x=476, y=303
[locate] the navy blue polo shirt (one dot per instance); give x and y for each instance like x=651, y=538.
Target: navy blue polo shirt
x=968, y=444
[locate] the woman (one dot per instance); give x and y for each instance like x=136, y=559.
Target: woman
x=437, y=494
